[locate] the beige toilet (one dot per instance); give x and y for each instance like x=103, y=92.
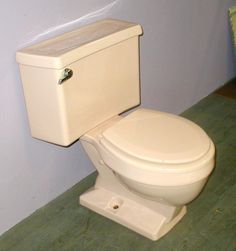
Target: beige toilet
x=150, y=163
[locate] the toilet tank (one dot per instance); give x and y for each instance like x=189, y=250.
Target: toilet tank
x=78, y=80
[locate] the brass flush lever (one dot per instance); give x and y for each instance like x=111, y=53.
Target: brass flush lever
x=67, y=74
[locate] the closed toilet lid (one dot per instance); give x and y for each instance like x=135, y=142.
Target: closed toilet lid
x=158, y=137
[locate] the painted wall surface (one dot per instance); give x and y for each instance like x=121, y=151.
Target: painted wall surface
x=186, y=53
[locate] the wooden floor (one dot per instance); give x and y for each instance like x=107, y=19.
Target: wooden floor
x=228, y=90
x=210, y=223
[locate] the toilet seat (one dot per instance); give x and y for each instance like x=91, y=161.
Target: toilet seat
x=157, y=137
x=183, y=150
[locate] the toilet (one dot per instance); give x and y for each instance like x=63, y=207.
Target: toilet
x=150, y=163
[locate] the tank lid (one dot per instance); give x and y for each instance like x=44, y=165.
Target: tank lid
x=65, y=49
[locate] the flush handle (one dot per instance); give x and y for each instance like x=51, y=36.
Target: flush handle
x=66, y=74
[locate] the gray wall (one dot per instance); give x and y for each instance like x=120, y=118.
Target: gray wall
x=186, y=53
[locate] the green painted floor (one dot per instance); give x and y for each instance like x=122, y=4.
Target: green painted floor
x=210, y=223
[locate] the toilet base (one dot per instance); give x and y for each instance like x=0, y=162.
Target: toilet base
x=142, y=219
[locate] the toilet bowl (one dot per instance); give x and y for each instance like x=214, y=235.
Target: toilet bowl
x=159, y=155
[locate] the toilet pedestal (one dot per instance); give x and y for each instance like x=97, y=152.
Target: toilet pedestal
x=113, y=200
x=140, y=218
